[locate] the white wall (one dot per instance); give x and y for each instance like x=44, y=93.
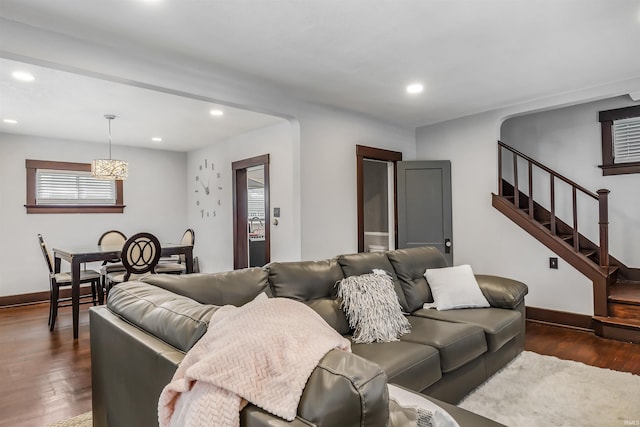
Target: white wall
x=328, y=172
x=568, y=140
x=324, y=155
x=214, y=234
x=154, y=195
x=313, y=181
x=482, y=236
x=485, y=238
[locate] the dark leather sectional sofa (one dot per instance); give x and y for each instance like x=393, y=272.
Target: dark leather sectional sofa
x=141, y=335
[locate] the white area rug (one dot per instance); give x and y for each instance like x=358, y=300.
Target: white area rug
x=83, y=420
x=541, y=391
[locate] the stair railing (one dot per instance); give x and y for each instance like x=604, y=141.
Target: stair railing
x=601, y=197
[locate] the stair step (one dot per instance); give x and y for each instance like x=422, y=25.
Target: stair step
x=618, y=321
x=618, y=329
x=565, y=237
x=625, y=292
x=588, y=252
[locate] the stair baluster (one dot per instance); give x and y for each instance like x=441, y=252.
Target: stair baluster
x=601, y=197
x=616, y=287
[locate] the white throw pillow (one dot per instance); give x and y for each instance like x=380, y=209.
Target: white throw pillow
x=454, y=287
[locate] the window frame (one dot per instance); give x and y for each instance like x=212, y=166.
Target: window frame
x=606, y=119
x=33, y=208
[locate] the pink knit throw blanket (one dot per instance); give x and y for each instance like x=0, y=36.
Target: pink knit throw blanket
x=262, y=352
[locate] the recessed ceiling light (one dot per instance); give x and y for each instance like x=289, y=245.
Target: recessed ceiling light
x=23, y=76
x=415, y=88
x=156, y=139
x=10, y=121
x=216, y=112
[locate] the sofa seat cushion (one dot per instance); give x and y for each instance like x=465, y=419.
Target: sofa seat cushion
x=499, y=325
x=457, y=343
x=408, y=364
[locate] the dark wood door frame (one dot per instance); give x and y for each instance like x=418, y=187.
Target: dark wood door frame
x=371, y=153
x=241, y=209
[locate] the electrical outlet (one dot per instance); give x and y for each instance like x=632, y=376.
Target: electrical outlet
x=553, y=263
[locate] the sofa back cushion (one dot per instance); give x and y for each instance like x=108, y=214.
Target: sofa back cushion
x=365, y=263
x=304, y=280
x=175, y=319
x=236, y=287
x=313, y=283
x=410, y=265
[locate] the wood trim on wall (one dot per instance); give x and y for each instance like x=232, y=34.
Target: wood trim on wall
x=240, y=241
x=562, y=318
x=38, y=297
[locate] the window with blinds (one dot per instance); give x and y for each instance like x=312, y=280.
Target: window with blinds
x=56, y=187
x=620, y=130
x=626, y=140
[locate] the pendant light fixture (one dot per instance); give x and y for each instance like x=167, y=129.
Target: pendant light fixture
x=109, y=168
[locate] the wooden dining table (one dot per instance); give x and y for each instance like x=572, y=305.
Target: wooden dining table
x=91, y=253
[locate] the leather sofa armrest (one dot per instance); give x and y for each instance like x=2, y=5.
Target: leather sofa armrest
x=179, y=321
x=502, y=292
x=345, y=389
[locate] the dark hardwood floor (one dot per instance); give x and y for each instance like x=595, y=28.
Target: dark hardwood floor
x=582, y=346
x=46, y=376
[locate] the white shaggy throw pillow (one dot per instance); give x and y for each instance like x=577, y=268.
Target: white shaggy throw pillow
x=454, y=287
x=372, y=308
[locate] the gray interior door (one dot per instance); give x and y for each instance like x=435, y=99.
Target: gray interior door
x=424, y=205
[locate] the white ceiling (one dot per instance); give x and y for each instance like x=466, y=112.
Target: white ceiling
x=68, y=106
x=471, y=55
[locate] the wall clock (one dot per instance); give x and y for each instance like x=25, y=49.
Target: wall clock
x=207, y=189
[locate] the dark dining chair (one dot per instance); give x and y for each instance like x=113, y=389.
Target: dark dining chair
x=59, y=280
x=140, y=255
x=177, y=264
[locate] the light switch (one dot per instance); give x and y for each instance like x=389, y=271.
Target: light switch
x=276, y=212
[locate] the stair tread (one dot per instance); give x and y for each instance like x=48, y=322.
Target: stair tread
x=625, y=292
x=618, y=321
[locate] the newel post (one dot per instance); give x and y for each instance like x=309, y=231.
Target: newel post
x=603, y=202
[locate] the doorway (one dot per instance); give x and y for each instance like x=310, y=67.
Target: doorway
x=376, y=178
x=251, y=220
x=402, y=204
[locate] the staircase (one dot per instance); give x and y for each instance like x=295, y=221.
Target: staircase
x=616, y=287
